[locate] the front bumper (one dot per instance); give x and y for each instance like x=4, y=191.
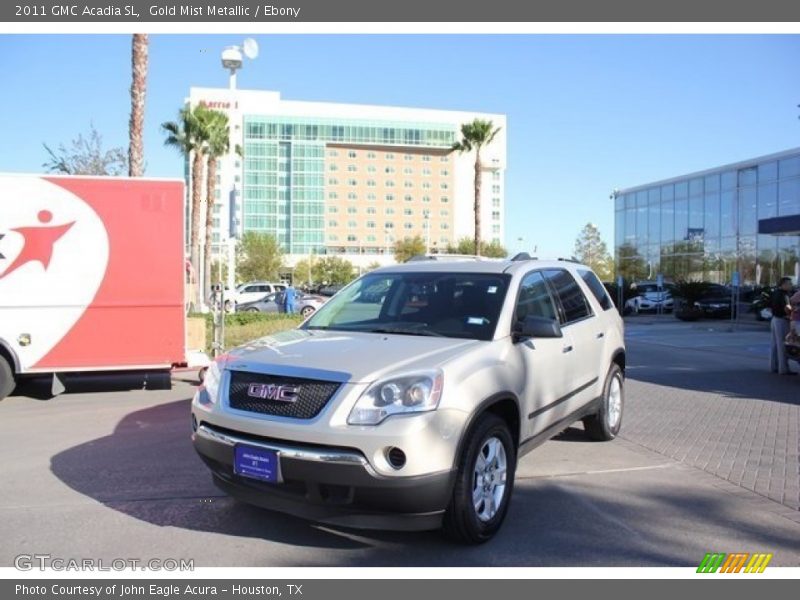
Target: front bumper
x=328, y=484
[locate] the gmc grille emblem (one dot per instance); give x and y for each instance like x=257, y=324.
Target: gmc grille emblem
x=270, y=391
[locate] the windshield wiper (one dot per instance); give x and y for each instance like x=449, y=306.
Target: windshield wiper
x=403, y=331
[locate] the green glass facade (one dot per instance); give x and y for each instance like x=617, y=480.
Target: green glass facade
x=283, y=191
x=705, y=226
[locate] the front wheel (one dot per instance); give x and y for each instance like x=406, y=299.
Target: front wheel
x=307, y=311
x=7, y=383
x=484, y=483
x=604, y=425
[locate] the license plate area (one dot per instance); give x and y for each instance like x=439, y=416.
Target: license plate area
x=258, y=463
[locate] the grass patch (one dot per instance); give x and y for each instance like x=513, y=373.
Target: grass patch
x=244, y=327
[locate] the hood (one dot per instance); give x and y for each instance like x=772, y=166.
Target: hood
x=343, y=355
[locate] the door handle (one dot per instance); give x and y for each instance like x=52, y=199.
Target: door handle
x=567, y=349
x=601, y=335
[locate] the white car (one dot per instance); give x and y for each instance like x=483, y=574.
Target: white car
x=255, y=290
x=650, y=299
x=407, y=399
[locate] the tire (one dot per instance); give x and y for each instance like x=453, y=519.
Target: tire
x=307, y=311
x=605, y=424
x=7, y=383
x=466, y=521
x=251, y=310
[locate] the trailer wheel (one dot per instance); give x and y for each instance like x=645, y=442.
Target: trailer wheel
x=7, y=383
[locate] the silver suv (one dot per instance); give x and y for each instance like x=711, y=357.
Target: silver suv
x=406, y=401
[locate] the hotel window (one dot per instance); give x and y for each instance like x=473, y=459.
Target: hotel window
x=352, y=224
x=390, y=156
x=333, y=167
x=333, y=209
x=408, y=157
x=444, y=226
x=444, y=199
x=351, y=210
x=444, y=186
x=352, y=196
x=371, y=169
x=371, y=197
x=445, y=158
x=495, y=229
x=444, y=212
x=333, y=153
x=426, y=158
x=370, y=183
x=408, y=184
x=496, y=215
x=352, y=182
x=389, y=197
x=445, y=172
x=333, y=237
x=371, y=210
x=333, y=181
x=389, y=210
x=426, y=199
x=408, y=171
x=370, y=155
x=389, y=169
x=352, y=154
x=352, y=238
x=371, y=238
x=426, y=185
x=352, y=168
x=495, y=189
x=496, y=176
x=408, y=198
x=389, y=183
x=408, y=212
x=408, y=225
x=388, y=225
x=333, y=195
x=333, y=223
x=370, y=224
x=495, y=202
x=426, y=171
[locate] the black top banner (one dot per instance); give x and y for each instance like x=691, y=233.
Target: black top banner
x=41, y=11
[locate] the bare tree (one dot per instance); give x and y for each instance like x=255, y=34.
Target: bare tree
x=85, y=156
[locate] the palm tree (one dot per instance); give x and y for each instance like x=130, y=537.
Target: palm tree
x=188, y=136
x=217, y=145
x=139, y=46
x=474, y=136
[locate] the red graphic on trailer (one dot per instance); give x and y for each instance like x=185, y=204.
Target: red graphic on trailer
x=39, y=242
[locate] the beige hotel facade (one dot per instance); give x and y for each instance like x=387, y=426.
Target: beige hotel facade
x=350, y=179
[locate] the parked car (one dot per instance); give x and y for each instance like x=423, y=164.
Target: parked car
x=406, y=400
x=305, y=304
x=329, y=290
x=255, y=290
x=649, y=298
x=715, y=302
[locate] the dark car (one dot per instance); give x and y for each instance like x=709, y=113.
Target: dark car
x=715, y=302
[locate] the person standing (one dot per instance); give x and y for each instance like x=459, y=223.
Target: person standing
x=289, y=295
x=779, y=327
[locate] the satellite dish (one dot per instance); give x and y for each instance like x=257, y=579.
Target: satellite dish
x=250, y=47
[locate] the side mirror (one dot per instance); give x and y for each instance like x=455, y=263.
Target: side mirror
x=537, y=327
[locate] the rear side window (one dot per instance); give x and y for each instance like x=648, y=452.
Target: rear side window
x=534, y=298
x=597, y=288
x=569, y=292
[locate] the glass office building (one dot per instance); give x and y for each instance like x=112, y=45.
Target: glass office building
x=742, y=217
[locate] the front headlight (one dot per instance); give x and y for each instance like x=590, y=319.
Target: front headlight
x=416, y=392
x=209, y=391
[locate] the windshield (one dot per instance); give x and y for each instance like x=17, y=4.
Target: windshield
x=460, y=305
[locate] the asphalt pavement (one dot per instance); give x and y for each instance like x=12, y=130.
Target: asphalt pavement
x=707, y=461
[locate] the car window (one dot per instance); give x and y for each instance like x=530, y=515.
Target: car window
x=250, y=288
x=462, y=305
x=534, y=298
x=597, y=288
x=570, y=295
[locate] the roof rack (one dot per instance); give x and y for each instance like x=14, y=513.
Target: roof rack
x=572, y=260
x=522, y=256
x=424, y=257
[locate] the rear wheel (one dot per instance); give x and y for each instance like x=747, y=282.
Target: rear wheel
x=605, y=424
x=484, y=483
x=7, y=383
x=252, y=309
x=306, y=312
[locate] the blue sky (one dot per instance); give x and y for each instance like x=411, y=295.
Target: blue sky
x=586, y=113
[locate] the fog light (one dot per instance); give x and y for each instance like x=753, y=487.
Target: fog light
x=396, y=457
